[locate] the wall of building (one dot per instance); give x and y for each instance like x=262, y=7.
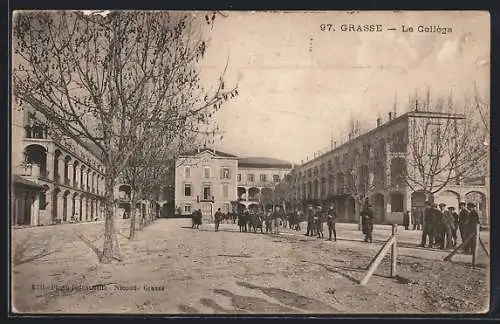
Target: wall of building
x=197, y=179
x=73, y=177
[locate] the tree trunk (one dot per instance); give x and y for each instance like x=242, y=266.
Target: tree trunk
x=133, y=218
x=109, y=221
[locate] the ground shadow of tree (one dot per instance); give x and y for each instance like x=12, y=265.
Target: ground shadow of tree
x=90, y=243
x=21, y=248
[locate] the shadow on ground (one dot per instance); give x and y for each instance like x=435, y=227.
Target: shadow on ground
x=288, y=302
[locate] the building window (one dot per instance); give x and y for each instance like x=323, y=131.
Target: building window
x=263, y=178
x=187, y=172
x=225, y=190
x=187, y=208
x=239, y=177
x=207, y=172
x=42, y=200
x=225, y=173
x=276, y=178
x=251, y=177
x=187, y=190
x=207, y=193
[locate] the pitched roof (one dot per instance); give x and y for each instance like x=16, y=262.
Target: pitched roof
x=206, y=149
x=18, y=180
x=263, y=162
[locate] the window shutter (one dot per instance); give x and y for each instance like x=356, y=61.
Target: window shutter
x=222, y=173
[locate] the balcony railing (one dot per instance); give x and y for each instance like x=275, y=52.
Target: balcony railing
x=82, y=186
x=267, y=184
x=66, y=181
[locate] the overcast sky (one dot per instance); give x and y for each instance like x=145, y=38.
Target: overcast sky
x=299, y=85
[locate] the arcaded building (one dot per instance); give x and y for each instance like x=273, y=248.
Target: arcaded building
x=257, y=179
x=373, y=165
x=69, y=172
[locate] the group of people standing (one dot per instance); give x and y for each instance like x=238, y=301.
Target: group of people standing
x=316, y=218
x=441, y=225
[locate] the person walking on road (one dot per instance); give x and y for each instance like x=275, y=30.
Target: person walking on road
x=462, y=219
x=330, y=221
x=217, y=217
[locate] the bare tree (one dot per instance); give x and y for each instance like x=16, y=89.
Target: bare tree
x=105, y=78
x=446, y=147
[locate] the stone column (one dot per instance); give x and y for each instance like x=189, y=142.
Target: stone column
x=84, y=209
x=60, y=169
x=78, y=173
x=69, y=207
x=84, y=180
x=35, y=211
x=60, y=206
x=50, y=166
x=77, y=207
x=70, y=173
x=98, y=204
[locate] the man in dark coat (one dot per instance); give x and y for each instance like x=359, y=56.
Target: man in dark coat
x=406, y=220
x=309, y=217
x=330, y=221
x=448, y=229
x=427, y=226
x=320, y=218
x=367, y=221
x=454, y=215
x=462, y=219
x=471, y=225
x=437, y=225
x=217, y=219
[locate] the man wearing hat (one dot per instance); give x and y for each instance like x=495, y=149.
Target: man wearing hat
x=320, y=218
x=309, y=216
x=367, y=221
x=427, y=226
x=471, y=224
x=448, y=229
x=454, y=231
x=330, y=221
x=438, y=224
x=462, y=219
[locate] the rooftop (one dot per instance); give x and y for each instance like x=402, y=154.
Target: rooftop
x=410, y=114
x=263, y=162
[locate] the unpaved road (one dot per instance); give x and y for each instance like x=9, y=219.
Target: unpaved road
x=171, y=269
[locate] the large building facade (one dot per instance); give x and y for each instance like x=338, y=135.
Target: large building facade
x=205, y=179
x=209, y=180
x=68, y=170
x=372, y=165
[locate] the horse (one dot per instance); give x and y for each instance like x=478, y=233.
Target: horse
x=255, y=222
x=242, y=222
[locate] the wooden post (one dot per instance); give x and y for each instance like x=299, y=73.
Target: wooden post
x=476, y=245
x=378, y=258
x=394, y=250
x=484, y=247
x=464, y=243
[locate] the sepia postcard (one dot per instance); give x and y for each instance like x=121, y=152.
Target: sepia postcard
x=250, y=162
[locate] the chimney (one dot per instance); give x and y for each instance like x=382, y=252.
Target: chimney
x=198, y=149
x=390, y=116
x=379, y=121
x=301, y=161
x=350, y=136
x=335, y=144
